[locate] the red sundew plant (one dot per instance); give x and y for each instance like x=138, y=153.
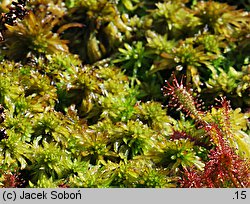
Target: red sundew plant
x=182, y=98
x=224, y=167
x=13, y=180
x=63, y=185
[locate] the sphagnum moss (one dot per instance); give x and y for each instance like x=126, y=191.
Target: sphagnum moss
x=81, y=102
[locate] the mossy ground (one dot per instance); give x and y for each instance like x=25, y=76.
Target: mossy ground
x=82, y=102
